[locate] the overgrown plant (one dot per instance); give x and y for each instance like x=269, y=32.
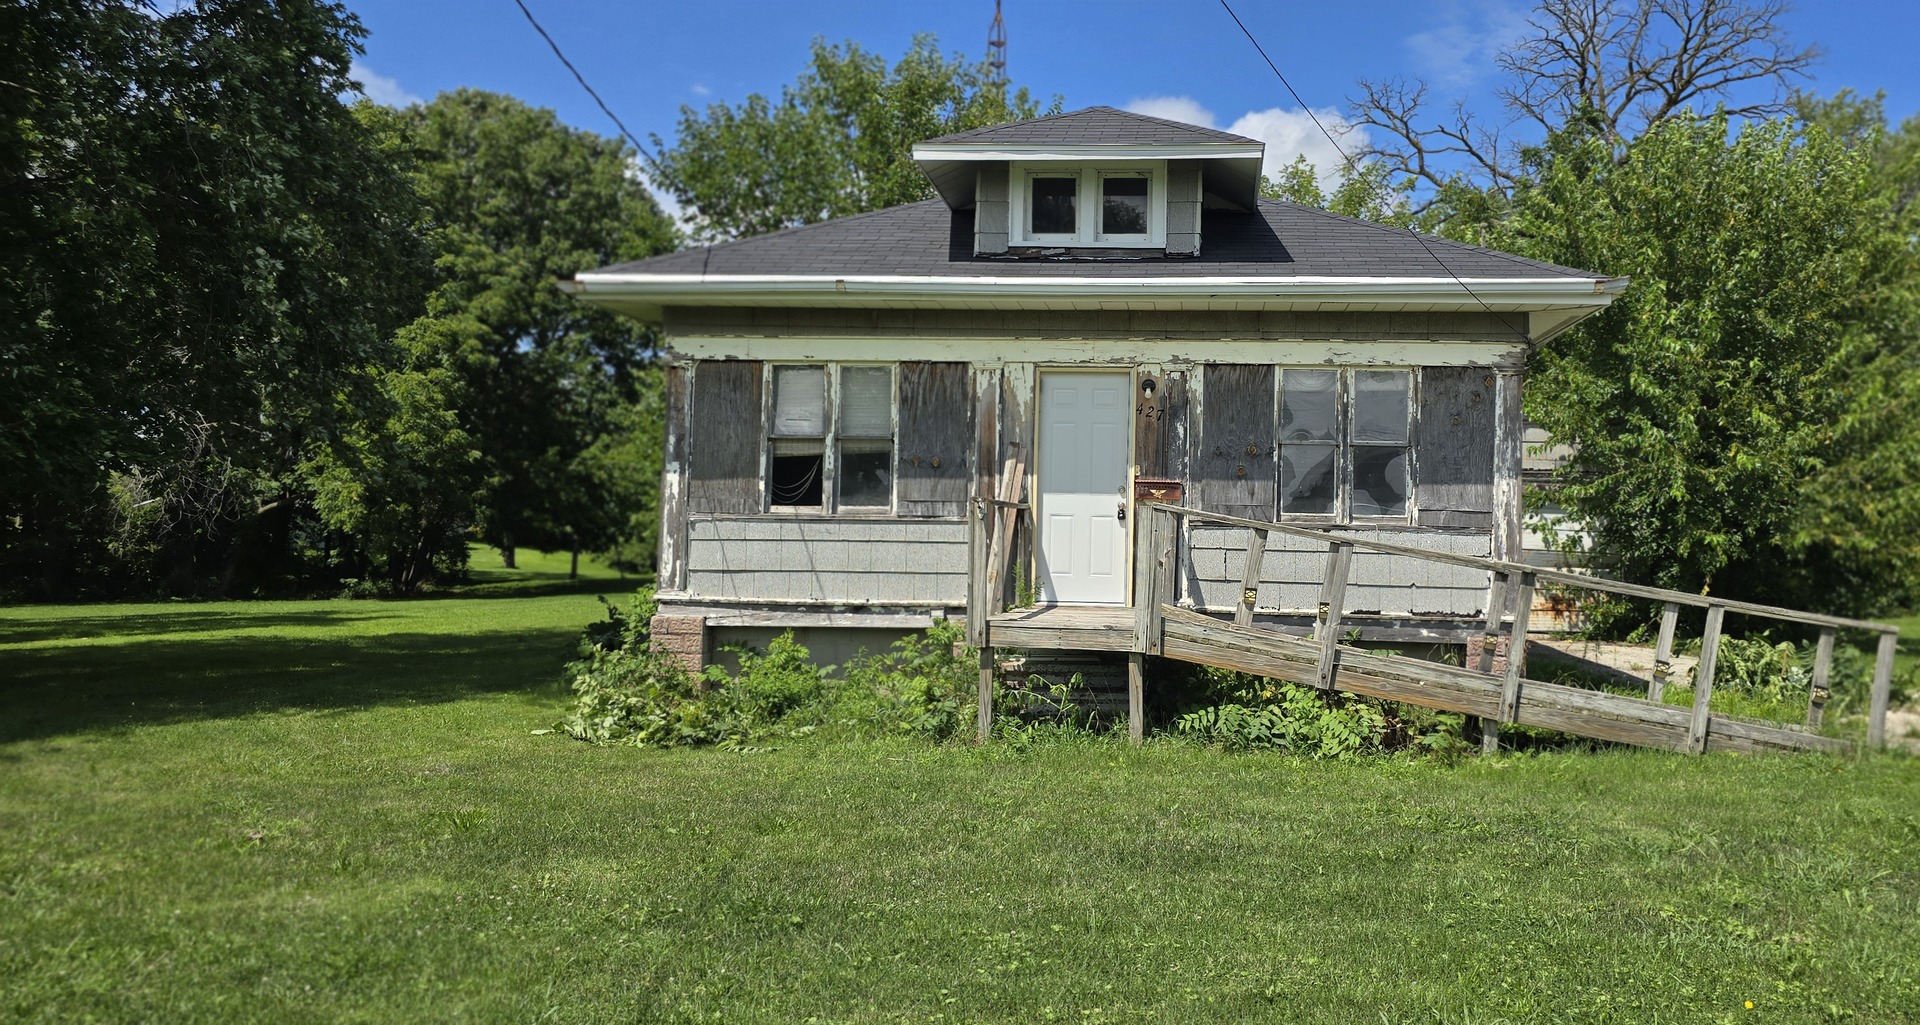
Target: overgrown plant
x=1249, y=713
x=628, y=691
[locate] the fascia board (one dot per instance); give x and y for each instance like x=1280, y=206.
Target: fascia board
x=1002, y=151
x=1468, y=293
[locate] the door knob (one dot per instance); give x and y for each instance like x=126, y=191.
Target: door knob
x=1123, y=512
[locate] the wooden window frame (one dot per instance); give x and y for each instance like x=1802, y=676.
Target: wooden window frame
x=1088, y=192
x=1344, y=446
x=830, y=504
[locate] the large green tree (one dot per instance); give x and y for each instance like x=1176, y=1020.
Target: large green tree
x=837, y=142
x=199, y=244
x=1743, y=415
x=521, y=201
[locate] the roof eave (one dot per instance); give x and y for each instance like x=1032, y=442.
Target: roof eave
x=646, y=295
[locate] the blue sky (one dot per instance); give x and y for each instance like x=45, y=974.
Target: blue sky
x=1182, y=58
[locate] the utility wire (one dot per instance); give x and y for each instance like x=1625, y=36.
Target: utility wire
x=660, y=173
x=1353, y=168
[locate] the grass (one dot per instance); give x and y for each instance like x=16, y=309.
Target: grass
x=337, y=811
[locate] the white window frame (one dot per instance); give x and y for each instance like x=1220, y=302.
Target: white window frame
x=1088, y=178
x=830, y=504
x=1345, y=392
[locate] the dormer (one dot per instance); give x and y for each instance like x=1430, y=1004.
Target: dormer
x=1097, y=183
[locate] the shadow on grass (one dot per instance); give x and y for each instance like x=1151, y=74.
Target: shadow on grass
x=76, y=689
x=187, y=618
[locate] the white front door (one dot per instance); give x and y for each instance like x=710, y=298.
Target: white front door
x=1085, y=427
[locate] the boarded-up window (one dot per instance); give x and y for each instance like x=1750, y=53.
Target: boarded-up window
x=1234, y=470
x=723, y=442
x=936, y=435
x=1453, y=475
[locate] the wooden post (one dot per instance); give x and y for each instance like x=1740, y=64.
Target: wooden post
x=1703, y=680
x=1146, y=563
x=1882, y=689
x=1136, y=697
x=1516, y=650
x=1489, y=647
x=1663, y=653
x=977, y=573
x=1250, y=578
x=1822, y=668
x=1333, y=600
x=1167, y=536
x=986, y=693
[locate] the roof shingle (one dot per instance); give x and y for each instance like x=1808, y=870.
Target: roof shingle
x=1094, y=126
x=1282, y=239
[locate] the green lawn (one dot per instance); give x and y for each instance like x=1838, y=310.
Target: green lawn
x=337, y=811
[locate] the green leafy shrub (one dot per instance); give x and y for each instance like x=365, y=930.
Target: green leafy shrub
x=626, y=691
x=1771, y=679
x=1250, y=713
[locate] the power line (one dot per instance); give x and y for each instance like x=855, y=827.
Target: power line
x=1352, y=168
x=659, y=172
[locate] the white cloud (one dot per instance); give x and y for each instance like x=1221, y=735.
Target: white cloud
x=379, y=88
x=1289, y=134
x=1459, y=49
x=700, y=90
x=1184, y=109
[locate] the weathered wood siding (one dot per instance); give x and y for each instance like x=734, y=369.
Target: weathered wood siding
x=830, y=560
x=1453, y=443
x=1233, y=470
x=1293, y=570
x=725, y=439
x=1160, y=426
x=935, y=460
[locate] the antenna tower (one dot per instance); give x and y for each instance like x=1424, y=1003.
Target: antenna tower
x=997, y=48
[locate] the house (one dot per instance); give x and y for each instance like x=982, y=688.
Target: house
x=1096, y=311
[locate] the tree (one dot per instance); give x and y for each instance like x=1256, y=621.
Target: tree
x=521, y=201
x=199, y=245
x=1369, y=193
x=1622, y=66
x=1741, y=415
x=837, y=142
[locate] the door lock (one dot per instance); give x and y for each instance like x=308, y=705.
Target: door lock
x=1123, y=510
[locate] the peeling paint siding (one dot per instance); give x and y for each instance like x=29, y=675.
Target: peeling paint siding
x=832, y=560
x=1292, y=572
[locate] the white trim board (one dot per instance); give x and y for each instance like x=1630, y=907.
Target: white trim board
x=1126, y=352
x=1156, y=151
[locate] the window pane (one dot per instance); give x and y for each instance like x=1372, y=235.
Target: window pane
x=1380, y=401
x=1123, y=206
x=799, y=402
x=866, y=474
x=1307, y=479
x=1307, y=409
x=1053, y=206
x=866, y=402
x=1379, y=481
x=796, y=478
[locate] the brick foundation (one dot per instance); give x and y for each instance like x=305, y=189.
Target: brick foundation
x=683, y=637
x=1476, y=644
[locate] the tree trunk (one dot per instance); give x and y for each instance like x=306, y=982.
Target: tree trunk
x=573, y=571
x=506, y=552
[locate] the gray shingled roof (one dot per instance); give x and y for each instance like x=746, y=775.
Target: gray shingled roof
x=1281, y=240
x=1095, y=126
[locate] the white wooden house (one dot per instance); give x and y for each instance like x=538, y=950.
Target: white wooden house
x=1100, y=299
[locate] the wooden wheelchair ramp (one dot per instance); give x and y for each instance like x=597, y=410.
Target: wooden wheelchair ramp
x=1160, y=623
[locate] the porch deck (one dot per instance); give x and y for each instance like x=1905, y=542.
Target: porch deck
x=1064, y=627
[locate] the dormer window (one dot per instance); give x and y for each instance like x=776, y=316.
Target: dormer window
x=1109, y=205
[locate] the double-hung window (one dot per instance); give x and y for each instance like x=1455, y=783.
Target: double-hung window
x=830, y=444
x=1090, y=205
x=1344, y=438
